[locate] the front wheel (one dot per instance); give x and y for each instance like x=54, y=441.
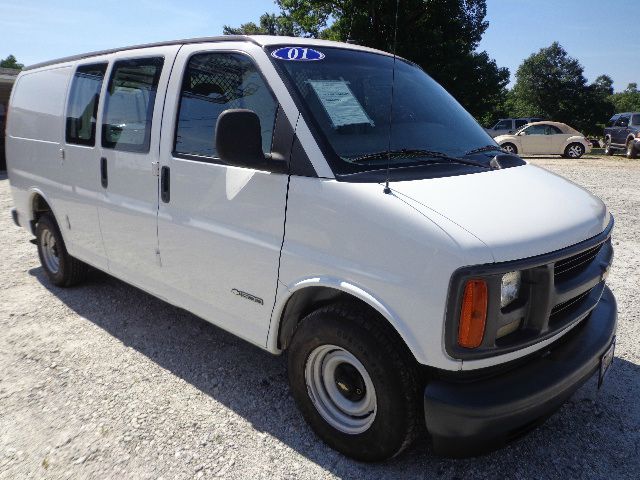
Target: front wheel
x=575, y=151
x=62, y=269
x=632, y=152
x=607, y=147
x=354, y=383
x=509, y=148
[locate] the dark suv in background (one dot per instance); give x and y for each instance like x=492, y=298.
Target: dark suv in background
x=623, y=133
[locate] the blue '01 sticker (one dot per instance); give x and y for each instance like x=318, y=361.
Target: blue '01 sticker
x=297, y=54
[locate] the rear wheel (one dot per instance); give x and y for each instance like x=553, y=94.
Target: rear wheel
x=509, y=148
x=354, y=383
x=62, y=269
x=632, y=152
x=574, y=150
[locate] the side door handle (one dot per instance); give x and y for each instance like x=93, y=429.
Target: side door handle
x=104, y=177
x=165, y=184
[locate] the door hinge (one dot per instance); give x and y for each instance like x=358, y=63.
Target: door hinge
x=61, y=154
x=158, y=258
x=155, y=168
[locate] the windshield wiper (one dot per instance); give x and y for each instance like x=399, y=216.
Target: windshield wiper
x=486, y=148
x=417, y=154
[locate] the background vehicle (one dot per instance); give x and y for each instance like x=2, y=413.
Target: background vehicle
x=549, y=138
x=241, y=179
x=621, y=134
x=509, y=125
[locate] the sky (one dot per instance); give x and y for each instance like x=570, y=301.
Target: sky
x=593, y=31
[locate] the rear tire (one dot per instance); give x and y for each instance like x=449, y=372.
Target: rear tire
x=354, y=382
x=631, y=150
x=62, y=269
x=509, y=148
x=574, y=151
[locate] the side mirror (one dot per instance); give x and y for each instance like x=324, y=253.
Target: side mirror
x=239, y=141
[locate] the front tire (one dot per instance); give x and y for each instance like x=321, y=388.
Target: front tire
x=509, y=148
x=354, y=383
x=607, y=147
x=574, y=151
x=62, y=269
x=631, y=150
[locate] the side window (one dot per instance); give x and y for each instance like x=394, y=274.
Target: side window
x=520, y=123
x=82, y=109
x=552, y=130
x=535, y=130
x=214, y=82
x=129, y=101
x=622, y=122
x=635, y=120
x=503, y=125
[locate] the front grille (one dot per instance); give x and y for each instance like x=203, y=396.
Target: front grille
x=565, y=307
x=575, y=264
x=558, y=290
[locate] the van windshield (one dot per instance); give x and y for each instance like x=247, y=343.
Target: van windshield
x=346, y=97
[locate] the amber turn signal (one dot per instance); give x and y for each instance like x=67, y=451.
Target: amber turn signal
x=473, y=316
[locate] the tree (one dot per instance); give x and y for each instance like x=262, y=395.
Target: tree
x=551, y=84
x=442, y=36
x=627, y=100
x=11, y=62
x=270, y=24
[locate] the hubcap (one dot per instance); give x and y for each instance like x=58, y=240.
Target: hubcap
x=50, y=252
x=508, y=148
x=341, y=389
x=575, y=151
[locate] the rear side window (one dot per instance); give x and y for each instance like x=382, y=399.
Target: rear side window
x=129, y=101
x=213, y=83
x=635, y=120
x=82, y=109
x=503, y=125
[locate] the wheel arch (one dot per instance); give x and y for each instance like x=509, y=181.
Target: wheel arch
x=308, y=295
x=38, y=204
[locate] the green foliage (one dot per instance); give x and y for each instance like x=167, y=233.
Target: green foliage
x=550, y=84
x=441, y=36
x=11, y=62
x=628, y=100
x=270, y=24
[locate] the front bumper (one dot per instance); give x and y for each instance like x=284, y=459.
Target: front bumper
x=476, y=416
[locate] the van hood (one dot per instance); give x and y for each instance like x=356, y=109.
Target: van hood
x=517, y=212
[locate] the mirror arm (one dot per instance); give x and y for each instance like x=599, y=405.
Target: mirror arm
x=276, y=162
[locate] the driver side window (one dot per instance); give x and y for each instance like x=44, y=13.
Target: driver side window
x=535, y=130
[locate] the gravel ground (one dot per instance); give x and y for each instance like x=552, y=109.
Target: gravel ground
x=105, y=381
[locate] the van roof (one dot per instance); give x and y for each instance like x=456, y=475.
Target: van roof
x=261, y=40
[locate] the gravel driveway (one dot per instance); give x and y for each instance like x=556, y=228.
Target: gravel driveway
x=105, y=381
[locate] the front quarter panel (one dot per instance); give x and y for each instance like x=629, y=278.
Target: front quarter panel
x=377, y=247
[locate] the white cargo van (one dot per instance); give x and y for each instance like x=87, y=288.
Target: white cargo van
x=330, y=201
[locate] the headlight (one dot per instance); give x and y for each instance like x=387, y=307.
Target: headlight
x=510, y=287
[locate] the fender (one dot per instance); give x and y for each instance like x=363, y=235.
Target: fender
x=576, y=139
x=356, y=291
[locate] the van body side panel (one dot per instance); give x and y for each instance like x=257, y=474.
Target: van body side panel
x=356, y=238
x=34, y=135
x=221, y=230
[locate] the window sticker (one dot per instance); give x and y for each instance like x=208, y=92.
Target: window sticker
x=297, y=54
x=340, y=103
